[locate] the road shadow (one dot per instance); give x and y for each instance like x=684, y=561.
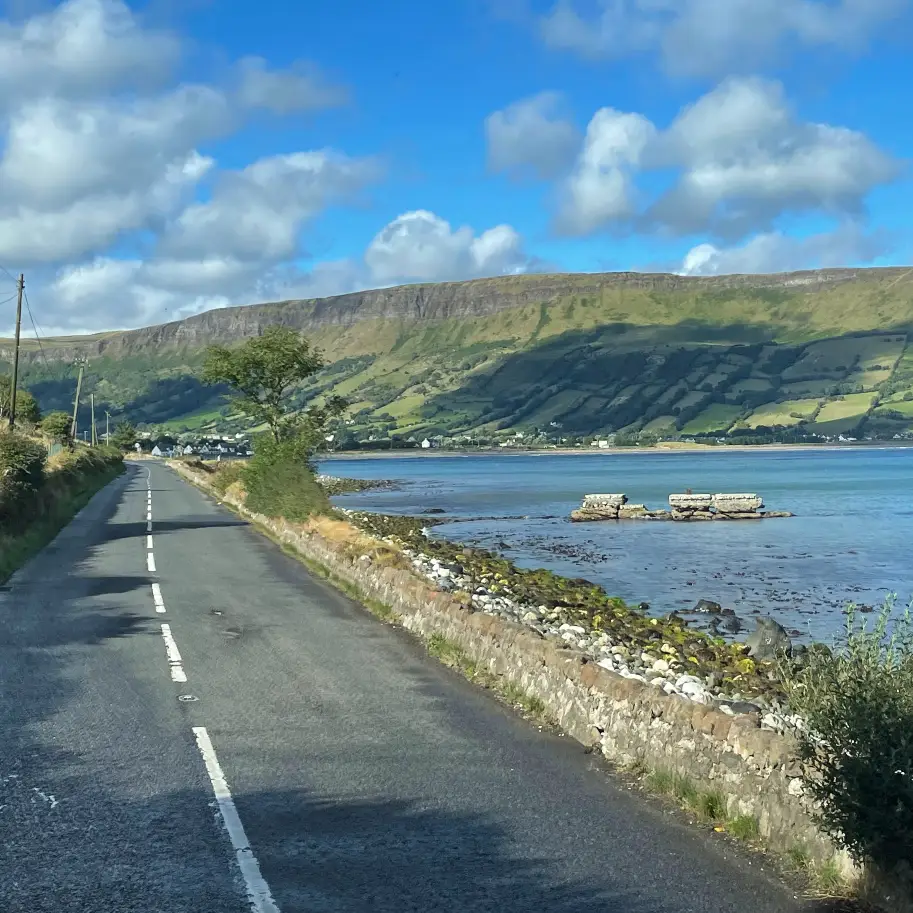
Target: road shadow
x=160, y=527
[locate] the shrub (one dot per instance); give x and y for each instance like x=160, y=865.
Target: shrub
x=21, y=474
x=56, y=425
x=280, y=480
x=857, y=703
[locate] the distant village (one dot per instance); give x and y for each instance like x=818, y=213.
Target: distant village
x=210, y=448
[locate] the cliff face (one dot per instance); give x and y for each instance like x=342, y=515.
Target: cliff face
x=423, y=302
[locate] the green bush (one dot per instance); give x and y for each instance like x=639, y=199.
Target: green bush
x=280, y=480
x=857, y=747
x=57, y=425
x=52, y=498
x=21, y=474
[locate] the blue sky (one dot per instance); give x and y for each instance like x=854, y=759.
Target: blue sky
x=161, y=158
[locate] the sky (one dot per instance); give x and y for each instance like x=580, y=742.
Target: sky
x=162, y=158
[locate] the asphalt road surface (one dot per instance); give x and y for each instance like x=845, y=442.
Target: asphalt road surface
x=191, y=723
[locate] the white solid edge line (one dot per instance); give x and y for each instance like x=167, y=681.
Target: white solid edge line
x=258, y=893
x=149, y=542
x=150, y=562
x=157, y=598
x=174, y=656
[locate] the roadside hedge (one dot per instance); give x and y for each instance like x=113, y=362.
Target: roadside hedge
x=39, y=496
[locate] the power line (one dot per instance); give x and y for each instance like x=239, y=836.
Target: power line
x=37, y=334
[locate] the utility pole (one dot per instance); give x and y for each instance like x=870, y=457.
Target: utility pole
x=92, y=405
x=107, y=427
x=82, y=366
x=20, y=285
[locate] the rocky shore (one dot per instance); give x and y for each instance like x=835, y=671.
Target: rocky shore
x=682, y=507
x=736, y=678
x=334, y=485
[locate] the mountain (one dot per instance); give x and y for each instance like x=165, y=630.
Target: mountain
x=577, y=354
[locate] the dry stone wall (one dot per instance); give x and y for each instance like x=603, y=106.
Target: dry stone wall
x=627, y=720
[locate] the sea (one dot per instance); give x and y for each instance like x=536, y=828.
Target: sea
x=850, y=540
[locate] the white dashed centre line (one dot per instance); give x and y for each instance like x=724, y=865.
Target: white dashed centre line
x=174, y=656
x=149, y=542
x=258, y=893
x=149, y=525
x=150, y=562
x=157, y=598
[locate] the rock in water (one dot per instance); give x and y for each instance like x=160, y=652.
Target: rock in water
x=768, y=641
x=587, y=515
x=708, y=606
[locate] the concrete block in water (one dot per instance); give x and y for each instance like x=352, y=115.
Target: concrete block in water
x=690, y=502
x=737, y=503
x=603, y=502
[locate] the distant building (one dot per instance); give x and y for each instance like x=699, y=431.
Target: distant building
x=426, y=444
x=156, y=451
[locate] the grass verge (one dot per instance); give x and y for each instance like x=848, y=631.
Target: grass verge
x=709, y=807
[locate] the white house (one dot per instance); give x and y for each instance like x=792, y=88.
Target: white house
x=156, y=451
x=426, y=444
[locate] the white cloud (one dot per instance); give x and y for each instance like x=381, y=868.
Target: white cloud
x=710, y=37
x=81, y=48
x=105, y=292
x=531, y=136
x=256, y=214
x=301, y=88
x=96, y=149
x=738, y=157
x=747, y=160
x=775, y=252
x=600, y=188
x=420, y=246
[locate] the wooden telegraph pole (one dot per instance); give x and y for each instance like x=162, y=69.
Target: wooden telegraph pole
x=107, y=427
x=92, y=406
x=20, y=285
x=82, y=366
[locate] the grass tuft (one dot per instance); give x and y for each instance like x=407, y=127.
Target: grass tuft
x=744, y=827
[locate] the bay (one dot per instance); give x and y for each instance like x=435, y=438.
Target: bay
x=850, y=540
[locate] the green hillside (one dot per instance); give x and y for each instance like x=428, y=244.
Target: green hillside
x=573, y=356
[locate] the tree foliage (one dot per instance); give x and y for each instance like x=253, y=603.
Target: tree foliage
x=262, y=373
x=857, y=703
x=124, y=436
x=21, y=473
x=57, y=425
x=27, y=409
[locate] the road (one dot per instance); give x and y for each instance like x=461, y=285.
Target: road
x=353, y=772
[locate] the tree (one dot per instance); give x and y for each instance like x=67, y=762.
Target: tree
x=262, y=373
x=124, y=436
x=26, y=405
x=57, y=425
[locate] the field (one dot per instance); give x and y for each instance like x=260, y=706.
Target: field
x=784, y=414
x=716, y=418
x=842, y=415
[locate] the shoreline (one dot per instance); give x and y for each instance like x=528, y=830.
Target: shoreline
x=414, y=453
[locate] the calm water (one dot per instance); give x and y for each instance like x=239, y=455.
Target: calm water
x=849, y=541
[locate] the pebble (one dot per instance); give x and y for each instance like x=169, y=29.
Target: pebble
x=660, y=671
